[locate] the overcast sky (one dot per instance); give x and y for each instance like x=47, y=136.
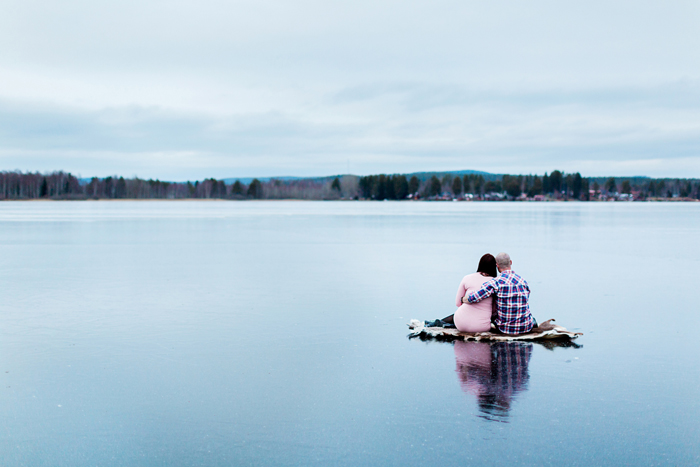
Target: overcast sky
x=180, y=89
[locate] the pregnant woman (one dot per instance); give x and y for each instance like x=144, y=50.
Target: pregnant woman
x=473, y=317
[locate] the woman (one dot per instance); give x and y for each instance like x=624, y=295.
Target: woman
x=475, y=317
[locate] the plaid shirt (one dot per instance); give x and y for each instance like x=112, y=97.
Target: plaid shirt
x=512, y=291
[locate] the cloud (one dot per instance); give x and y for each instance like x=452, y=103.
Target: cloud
x=215, y=88
x=383, y=127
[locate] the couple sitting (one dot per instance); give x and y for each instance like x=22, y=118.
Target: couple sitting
x=477, y=293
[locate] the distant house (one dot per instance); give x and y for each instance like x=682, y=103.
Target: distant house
x=494, y=196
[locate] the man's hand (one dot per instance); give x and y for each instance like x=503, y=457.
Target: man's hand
x=464, y=300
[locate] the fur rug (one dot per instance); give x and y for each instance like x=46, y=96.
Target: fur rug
x=545, y=331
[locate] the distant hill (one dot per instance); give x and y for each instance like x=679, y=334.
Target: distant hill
x=422, y=176
x=247, y=180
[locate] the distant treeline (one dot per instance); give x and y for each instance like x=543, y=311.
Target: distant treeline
x=473, y=186
x=62, y=185
x=555, y=185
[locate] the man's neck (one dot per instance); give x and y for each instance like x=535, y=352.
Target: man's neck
x=504, y=270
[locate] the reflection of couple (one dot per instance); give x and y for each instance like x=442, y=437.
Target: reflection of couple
x=476, y=293
x=493, y=373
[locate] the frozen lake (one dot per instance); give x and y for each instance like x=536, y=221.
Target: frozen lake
x=274, y=333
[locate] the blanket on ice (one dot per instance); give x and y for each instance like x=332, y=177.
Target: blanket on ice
x=545, y=331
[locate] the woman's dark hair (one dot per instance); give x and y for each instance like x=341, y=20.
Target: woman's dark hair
x=487, y=265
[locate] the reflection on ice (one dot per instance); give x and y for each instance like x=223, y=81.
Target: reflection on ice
x=495, y=373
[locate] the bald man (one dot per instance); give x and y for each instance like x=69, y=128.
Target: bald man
x=513, y=293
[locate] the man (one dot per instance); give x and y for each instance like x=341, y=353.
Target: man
x=514, y=315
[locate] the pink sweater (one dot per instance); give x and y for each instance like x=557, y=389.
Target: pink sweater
x=473, y=317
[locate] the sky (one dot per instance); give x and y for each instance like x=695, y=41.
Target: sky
x=180, y=90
